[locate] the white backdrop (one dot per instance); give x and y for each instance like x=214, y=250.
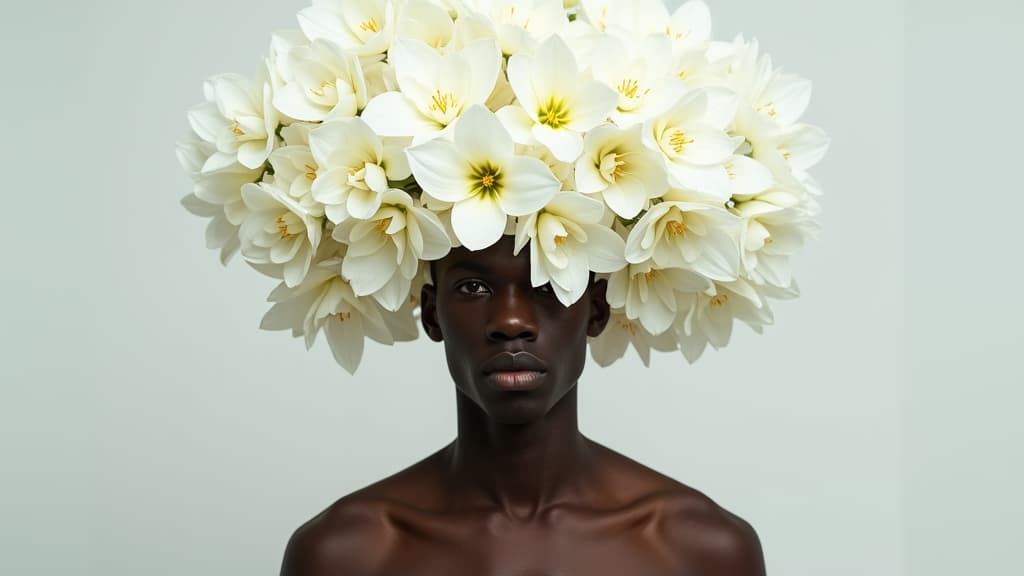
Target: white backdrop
x=149, y=428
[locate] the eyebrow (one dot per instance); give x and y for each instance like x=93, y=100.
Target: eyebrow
x=470, y=266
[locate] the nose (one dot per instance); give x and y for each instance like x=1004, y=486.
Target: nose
x=512, y=317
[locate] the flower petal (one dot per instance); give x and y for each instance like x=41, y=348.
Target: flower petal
x=527, y=185
x=478, y=222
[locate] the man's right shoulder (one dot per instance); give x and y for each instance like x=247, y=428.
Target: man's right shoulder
x=351, y=537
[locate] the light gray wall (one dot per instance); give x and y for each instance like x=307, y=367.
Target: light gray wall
x=147, y=426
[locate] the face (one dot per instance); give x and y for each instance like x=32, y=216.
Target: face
x=513, y=349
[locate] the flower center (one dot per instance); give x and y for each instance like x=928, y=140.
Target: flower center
x=319, y=92
x=679, y=141
x=283, y=227
x=768, y=108
x=370, y=26
x=383, y=225
x=719, y=301
x=343, y=316
x=310, y=172
x=559, y=240
x=485, y=179
x=676, y=228
x=554, y=113
x=651, y=275
x=442, y=102
x=628, y=327
x=612, y=166
x=236, y=129
x=628, y=88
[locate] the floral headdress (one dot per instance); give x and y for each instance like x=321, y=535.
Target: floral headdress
x=607, y=136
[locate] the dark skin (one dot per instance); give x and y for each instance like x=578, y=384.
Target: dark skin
x=520, y=491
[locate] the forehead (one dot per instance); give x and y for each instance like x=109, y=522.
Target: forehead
x=496, y=260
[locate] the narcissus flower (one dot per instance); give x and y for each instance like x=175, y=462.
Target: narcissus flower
x=482, y=176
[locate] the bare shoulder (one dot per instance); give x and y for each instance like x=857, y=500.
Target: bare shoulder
x=711, y=538
x=350, y=537
x=702, y=534
x=355, y=535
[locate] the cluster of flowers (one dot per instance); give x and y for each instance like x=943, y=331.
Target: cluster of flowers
x=607, y=136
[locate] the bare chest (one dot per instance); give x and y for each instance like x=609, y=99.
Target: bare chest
x=630, y=543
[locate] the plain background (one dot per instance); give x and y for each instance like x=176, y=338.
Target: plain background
x=148, y=428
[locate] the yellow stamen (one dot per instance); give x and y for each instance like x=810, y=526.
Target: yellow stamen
x=769, y=109
x=282, y=227
x=310, y=172
x=719, y=301
x=678, y=140
x=383, y=225
x=442, y=102
x=559, y=240
x=370, y=26
x=343, y=316
x=628, y=88
x=676, y=228
x=628, y=327
x=319, y=92
x=651, y=275
x=554, y=113
x=485, y=179
x=236, y=129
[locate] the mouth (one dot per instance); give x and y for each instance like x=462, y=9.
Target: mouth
x=513, y=380
x=514, y=371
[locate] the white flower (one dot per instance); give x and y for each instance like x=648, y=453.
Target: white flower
x=436, y=88
x=385, y=251
x=321, y=82
x=649, y=294
x=641, y=74
x=363, y=27
x=238, y=117
x=355, y=167
x=689, y=28
x=700, y=237
x=278, y=231
x=706, y=317
x=636, y=17
x=216, y=195
x=616, y=164
x=620, y=332
x=692, y=139
x=426, y=21
x=294, y=173
x=557, y=104
x=482, y=176
x=520, y=25
x=567, y=242
x=324, y=301
x=772, y=234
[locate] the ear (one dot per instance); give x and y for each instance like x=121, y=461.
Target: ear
x=599, y=309
x=428, y=312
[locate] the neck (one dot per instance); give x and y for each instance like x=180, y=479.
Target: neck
x=519, y=469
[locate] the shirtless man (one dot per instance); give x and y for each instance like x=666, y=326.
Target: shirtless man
x=520, y=491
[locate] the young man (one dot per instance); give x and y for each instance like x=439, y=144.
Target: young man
x=520, y=491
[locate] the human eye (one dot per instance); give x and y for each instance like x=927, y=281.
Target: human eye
x=472, y=287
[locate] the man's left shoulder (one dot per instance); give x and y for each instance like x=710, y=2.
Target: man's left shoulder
x=711, y=539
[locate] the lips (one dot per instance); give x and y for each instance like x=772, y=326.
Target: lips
x=514, y=362
x=514, y=371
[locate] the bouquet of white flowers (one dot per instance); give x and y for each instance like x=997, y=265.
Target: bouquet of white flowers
x=608, y=136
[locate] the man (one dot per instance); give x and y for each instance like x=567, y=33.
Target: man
x=520, y=491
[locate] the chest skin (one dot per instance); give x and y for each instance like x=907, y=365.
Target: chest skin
x=631, y=540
